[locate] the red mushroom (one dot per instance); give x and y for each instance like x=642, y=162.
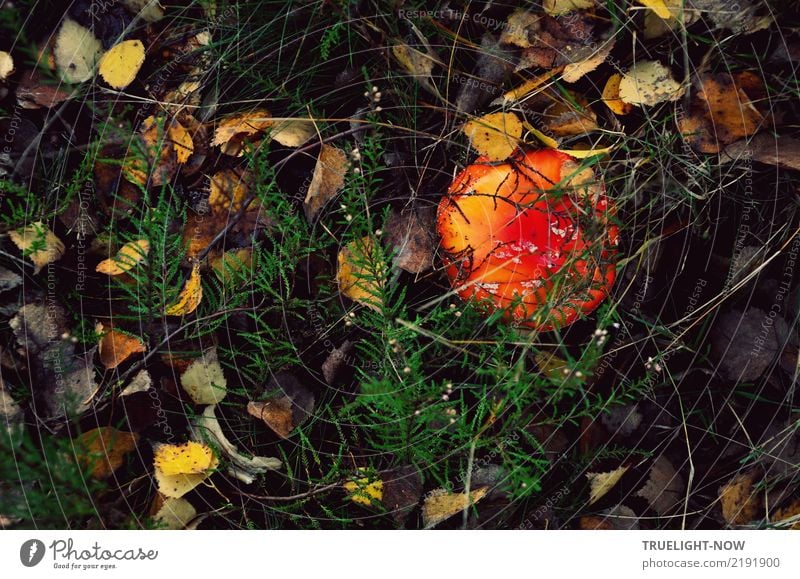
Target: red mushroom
x=531, y=235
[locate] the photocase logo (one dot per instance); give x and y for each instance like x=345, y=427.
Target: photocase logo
x=31, y=553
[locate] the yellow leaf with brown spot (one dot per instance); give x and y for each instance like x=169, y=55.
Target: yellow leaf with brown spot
x=103, y=450
x=115, y=347
x=38, y=244
x=357, y=273
x=129, y=255
x=121, y=63
x=181, y=467
x=495, y=135
x=172, y=514
x=76, y=52
x=190, y=295
x=440, y=505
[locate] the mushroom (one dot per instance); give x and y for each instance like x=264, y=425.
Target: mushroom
x=532, y=235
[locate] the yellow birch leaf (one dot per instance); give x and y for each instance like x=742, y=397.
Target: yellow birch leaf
x=657, y=6
x=356, y=276
x=190, y=295
x=181, y=467
x=38, y=243
x=120, y=65
x=495, y=135
x=440, y=505
x=129, y=255
x=602, y=482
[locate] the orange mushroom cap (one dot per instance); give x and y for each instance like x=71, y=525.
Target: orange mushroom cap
x=531, y=235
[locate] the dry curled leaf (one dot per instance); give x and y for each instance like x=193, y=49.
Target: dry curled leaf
x=121, y=63
x=190, y=296
x=181, y=467
x=327, y=181
x=440, y=505
x=38, y=244
x=204, y=380
x=102, y=451
x=357, y=276
x=116, y=347
x=244, y=468
x=129, y=255
x=495, y=135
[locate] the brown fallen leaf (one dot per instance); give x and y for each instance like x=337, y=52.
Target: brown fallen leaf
x=289, y=404
x=664, y=489
x=723, y=110
x=102, y=451
x=617, y=518
x=410, y=233
x=787, y=516
x=781, y=151
x=560, y=7
x=440, y=505
x=402, y=489
x=33, y=92
x=418, y=64
x=739, y=500
x=327, y=181
x=116, y=347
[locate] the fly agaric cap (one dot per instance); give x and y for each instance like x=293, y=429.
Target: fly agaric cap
x=532, y=235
